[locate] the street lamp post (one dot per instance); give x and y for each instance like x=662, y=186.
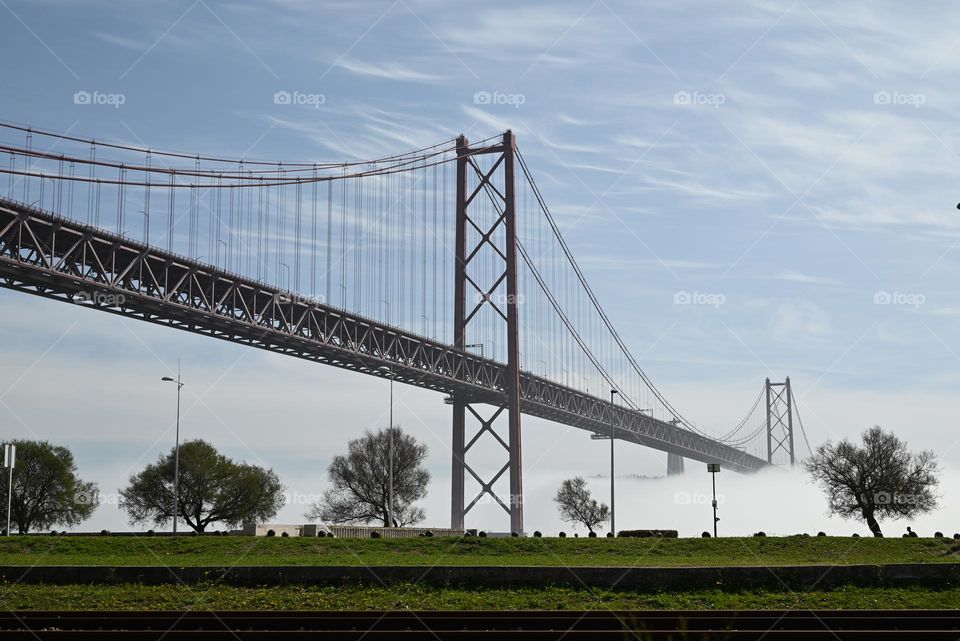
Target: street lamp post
x=713, y=468
x=176, y=454
x=390, y=453
x=9, y=460
x=613, y=520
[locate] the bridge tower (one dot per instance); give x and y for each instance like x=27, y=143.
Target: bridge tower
x=674, y=464
x=779, y=419
x=487, y=232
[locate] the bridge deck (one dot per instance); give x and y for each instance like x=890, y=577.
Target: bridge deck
x=62, y=259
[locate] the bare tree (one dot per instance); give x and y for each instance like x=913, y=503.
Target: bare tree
x=577, y=506
x=361, y=481
x=879, y=479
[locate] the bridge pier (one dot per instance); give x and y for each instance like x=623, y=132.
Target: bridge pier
x=674, y=464
x=488, y=230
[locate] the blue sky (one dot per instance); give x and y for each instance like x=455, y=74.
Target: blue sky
x=795, y=159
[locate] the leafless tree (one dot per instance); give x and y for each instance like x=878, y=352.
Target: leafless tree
x=877, y=479
x=577, y=506
x=361, y=481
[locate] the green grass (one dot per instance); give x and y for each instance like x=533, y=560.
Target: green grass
x=200, y=597
x=219, y=551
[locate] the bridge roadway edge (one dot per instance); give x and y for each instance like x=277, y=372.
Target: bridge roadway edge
x=463, y=372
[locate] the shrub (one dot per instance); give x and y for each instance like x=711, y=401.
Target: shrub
x=374, y=535
x=760, y=533
x=271, y=533
x=642, y=534
x=563, y=535
x=284, y=534
x=821, y=533
x=592, y=534
x=609, y=535
x=938, y=535
x=537, y=534
x=705, y=535
x=482, y=534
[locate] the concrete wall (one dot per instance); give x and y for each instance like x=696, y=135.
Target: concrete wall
x=340, y=531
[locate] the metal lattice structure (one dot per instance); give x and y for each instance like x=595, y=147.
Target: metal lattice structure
x=495, y=233
x=779, y=420
x=241, y=253
x=56, y=258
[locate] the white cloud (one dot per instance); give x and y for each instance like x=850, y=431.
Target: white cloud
x=800, y=319
x=799, y=277
x=387, y=70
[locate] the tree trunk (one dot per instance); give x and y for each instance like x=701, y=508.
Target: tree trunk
x=872, y=523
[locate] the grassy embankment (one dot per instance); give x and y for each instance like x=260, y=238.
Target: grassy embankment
x=228, y=551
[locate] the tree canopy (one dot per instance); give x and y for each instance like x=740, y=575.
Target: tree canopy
x=360, y=481
x=46, y=488
x=213, y=489
x=877, y=479
x=576, y=505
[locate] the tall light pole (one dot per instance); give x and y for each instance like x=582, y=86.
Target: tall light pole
x=176, y=454
x=390, y=452
x=713, y=468
x=9, y=459
x=613, y=519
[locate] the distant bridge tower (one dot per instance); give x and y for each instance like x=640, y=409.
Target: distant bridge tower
x=674, y=464
x=475, y=290
x=780, y=419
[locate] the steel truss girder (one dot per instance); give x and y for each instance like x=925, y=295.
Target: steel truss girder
x=58, y=258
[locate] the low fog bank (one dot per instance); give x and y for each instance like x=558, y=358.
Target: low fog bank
x=777, y=501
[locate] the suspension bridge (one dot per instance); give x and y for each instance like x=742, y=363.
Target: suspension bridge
x=441, y=267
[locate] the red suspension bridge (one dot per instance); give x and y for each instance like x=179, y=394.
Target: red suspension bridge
x=442, y=267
